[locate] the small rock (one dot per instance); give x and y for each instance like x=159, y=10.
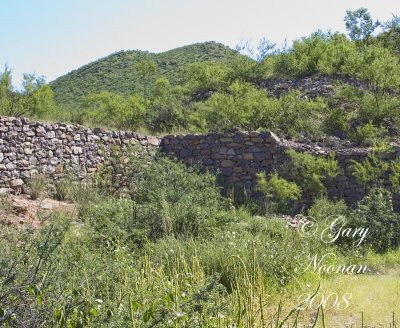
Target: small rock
x=50, y=135
x=4, y=191
x=46, y=206
x=77, y=150
x=16, y=183
x=11, y=166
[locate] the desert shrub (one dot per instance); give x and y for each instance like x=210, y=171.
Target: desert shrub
x=324, y=209
x=337, y=123
x=374, y=171
x=203, y=77
x=240, y=107
x=28, y=267
x=378, y=109
x=63, y=189
x=175, y=200
x=37, y=185
x=296, y=117
x=169, y=198
x=246, y=107
x=377, y=65
x=370, y=172
x=113, y=224
x=375, y=212
x=167, y=108
x=321, y=52
x=107, y=108
x=36, y=99
x=278, y=193
x=368, y=135
x=366, y=106
x=309, y=172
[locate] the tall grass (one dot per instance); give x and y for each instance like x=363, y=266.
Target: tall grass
x=119, y=264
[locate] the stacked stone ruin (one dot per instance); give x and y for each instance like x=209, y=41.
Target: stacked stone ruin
x=56, y=149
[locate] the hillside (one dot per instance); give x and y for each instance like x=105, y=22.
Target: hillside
x=118, y=73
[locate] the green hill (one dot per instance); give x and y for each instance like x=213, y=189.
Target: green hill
x=118, y=73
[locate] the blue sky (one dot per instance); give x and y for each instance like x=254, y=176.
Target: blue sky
x=51, y=38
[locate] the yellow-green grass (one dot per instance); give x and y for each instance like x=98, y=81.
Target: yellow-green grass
x=374, y=300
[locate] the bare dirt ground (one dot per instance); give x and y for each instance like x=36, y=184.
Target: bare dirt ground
x=22, y=211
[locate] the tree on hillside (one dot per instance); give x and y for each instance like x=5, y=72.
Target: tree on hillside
x=359, y=24
x=203, y=77
x=146, y=69
x=166, y=112
x=114, y=110
x=390, y=37
x=8, y=98
x=263, y=49
x=35, y=99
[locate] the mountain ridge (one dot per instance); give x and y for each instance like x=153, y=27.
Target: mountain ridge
x=117, y=72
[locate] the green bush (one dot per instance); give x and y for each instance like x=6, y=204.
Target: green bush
x=337, y=123
x=246, y=107
x=373, y=111
x=368, y=135
x=175, y=200
x=167, y=108
x=323, y=209
x=30, y=267
x=114, y=110
x=277, y=192
x=321, y=52
x=375, y=212
x=38, y=184
x=169, y=198
x=297, y=117
x=370, y=172
x=309, y=172
x=63, y=189
x=241, y=106
x=208, y=76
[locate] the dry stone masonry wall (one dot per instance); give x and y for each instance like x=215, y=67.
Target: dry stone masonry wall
x=237, y=157
x=27, y=147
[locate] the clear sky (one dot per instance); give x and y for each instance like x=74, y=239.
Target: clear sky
x=53, y=37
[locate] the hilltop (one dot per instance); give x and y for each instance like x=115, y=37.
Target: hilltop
x=118, y=72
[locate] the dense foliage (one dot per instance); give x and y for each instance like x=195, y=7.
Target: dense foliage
x=159, y=257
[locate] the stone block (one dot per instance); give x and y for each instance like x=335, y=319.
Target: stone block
x=227, y=163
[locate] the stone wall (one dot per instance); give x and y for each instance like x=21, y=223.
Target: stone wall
x=27, y=147
x=237, y=157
